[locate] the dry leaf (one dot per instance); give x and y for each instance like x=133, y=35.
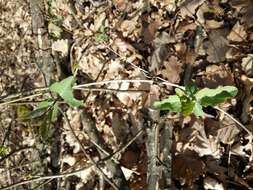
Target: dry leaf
x=90, y=65
x=217, y=75
x=98, y=22
x=187, y=168
x=173, y=64
x=245, y=8
x=247, y=97
x=203, y=144
x=188, y=7
x=247, y=65
x=238, y=33
x=212, y=184
x=61, y=46
x=213, y=24
x=217, y=46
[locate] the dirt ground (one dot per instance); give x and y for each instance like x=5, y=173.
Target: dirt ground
x=124, y=56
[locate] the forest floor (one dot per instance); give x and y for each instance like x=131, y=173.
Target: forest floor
x=124, y=56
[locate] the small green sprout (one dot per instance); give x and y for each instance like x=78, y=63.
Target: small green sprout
x=102, y=36
x=4, y=150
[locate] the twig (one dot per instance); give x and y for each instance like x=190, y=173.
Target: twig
x=85, y=153
x=22, y=98
x=11, y=96
x=94, y=135
x=110, y=90
x=152, y=131
x=45, y=178
x=111, y=81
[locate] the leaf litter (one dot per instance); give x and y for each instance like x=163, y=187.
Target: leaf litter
x=162, y=37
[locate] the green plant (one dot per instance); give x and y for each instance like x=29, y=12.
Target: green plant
x=4, y=150
x=192, y=100
x=45, y=113
x=101, y=36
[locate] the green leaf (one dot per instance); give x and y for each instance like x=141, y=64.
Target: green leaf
x=212, y=97
x=180, y=92
x=191, y=89
x=38, y=112
x=4, y=150
x=54, y=110
x=171, y=103
x=187, y=105
x=64, y=89
x=198, y=110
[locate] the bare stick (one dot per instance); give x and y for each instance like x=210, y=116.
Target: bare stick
x=96, y=138
x=86, y=154
x=45, y=178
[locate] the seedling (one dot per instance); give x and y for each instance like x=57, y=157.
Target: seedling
x=192, y=100
x=102, y=36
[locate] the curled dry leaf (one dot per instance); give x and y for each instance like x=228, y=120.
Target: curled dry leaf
x=122, y=5
x=90, y=65
x=70, y=160
x=247, y=65
x=61, y=46
x=203, y=144
x=128, y=26
x=226, y=130
x=244, y=150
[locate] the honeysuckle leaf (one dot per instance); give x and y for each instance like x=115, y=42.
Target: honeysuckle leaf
x=191, y=89
x=187, y=106
x=179, y=92
x=198, y=110
x=64, y=89
x=171, y=103
x=212, y=97
x=53, y=111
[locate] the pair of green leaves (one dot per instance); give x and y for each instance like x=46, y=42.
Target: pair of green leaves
x=192, y=100
x=46, y=112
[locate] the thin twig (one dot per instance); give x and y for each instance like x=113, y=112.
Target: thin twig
x=110, y=90
x=45, y=178
x=22, y=98
x=241, y=125
x=111, y=81
x=85, y=153
x=235, y=120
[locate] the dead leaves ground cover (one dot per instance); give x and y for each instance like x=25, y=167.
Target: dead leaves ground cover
x=207, y=41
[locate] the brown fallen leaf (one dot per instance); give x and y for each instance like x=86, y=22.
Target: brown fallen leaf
x=217, y=45
x=217, y=75
x=188, y=7
x=238, y=33
x=244, y=7
x=173, y=64
x=187, y=168
x=246, y=98
x=247, y=65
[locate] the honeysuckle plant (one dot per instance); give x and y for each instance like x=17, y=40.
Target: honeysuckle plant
x=190, y=99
